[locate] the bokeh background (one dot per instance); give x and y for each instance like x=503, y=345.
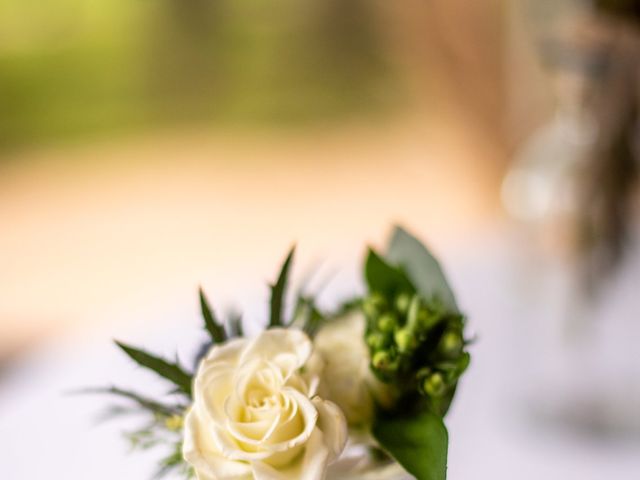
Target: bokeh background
x=151, y=146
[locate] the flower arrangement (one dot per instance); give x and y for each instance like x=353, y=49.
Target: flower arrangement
x=355, y=393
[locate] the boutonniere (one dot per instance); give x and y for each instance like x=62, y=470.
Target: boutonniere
x=353, y=392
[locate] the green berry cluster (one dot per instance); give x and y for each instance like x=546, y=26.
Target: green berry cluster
x=415, y=344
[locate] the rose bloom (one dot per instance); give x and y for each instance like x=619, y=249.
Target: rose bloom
x=256, y=413
x=349, y=381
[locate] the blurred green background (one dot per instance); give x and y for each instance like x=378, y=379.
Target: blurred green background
x=81, y=68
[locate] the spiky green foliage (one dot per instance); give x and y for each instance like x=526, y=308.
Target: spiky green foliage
x=156, y=434
x=234, y=322
x=215, y=328
x=174, y=462
x=162, y=428
x=278, y=292
x=141, y=401
x=307, y=316
x=168, y=370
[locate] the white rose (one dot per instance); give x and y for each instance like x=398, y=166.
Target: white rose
x=349, y=381
x=256, y=413
x=362, y=467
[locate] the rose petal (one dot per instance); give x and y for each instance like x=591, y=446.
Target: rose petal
x=255, y=433
x=288, y=348
x=211, y=393
x=311, y=465
x=297, y=430
x=227, y=352
x=253, y=415
x=199, y=450
x=333, y=424
x=232, y=449
x=215, y=375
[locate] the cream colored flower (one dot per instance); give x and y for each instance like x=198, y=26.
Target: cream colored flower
x=256, y=413
x=362, y=467
x=348, y=380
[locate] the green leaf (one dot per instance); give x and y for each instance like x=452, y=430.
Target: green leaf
x=307, y=315
x=383, y=277
x=215, y=329
x=421, y=267
x=278, y=290
x=173, y=461
x=235, y=325
x=170, y=371
x=142, y=401
x=419, y=443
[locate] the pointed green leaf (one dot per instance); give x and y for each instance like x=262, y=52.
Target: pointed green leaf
x=278, y=292
x=307, y=316
x=383, y=277
x=140, y=400
x=215, y=329
x=421, y=267
x=419, y=443
x=235, y=325
x=172, y=462
x=170, y=371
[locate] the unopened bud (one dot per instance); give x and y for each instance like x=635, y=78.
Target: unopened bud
x=434, y=385
x=382, y=360
x=374, y=304
x=451, y=344
x=174, y=422
x=405, y=340
x=425, y=320
x=387, y=323
x=403, y=301
x=423, y=373
x=376, y=340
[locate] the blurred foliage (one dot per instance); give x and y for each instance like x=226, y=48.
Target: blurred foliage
x=73, y=68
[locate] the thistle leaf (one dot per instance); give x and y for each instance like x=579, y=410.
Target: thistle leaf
x=215, y=329
x=171, y=462
x=278, y=292
x=142, y=401
x=170, y=371
x=235, y=325
x=307, y=316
